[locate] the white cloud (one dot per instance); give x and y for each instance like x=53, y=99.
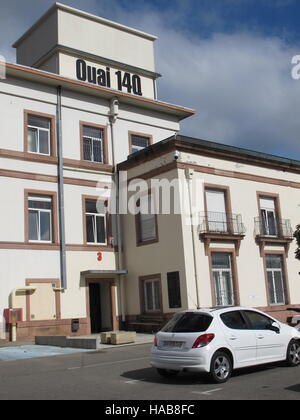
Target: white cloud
x=239, y=83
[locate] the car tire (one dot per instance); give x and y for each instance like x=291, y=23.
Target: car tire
x=220, y=368
x=293, y=353
x=167, y=373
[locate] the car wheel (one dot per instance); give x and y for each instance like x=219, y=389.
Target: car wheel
x=293, y=353
x=220, y=368
x=167, y=373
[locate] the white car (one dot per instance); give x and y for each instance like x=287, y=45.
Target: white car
x=216, y=341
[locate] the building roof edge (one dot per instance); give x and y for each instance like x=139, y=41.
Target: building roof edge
x=107, y=22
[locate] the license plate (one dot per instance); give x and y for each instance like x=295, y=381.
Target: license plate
x=173, y=344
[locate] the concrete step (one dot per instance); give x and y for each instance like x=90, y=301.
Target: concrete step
x=70, y=342
x=93, y=342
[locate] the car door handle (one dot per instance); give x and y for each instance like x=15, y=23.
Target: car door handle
x=232, y=337
x=260, y=337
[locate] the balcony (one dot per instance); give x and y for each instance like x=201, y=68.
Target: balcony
x=279, y=229
x=221, y=227
x=273, y=231
x=221, y=224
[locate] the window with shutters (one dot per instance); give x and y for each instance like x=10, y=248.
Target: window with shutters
x=174, y=291
x=150, y=294
x=268, y=216
x=146, y=221
x=269, y=227
x=217, y=222
x=217, y=215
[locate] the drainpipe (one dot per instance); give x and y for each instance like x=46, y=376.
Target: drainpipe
x=189, y=173
x=62, y=234
x=114, y=111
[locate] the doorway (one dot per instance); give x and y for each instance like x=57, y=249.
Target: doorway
x=95, y=307
x=100, y=308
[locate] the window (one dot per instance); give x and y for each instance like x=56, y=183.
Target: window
x=95, y=218
x=268, y=216
x=38, y=135
x=93, y=150
x=258, y=321
x=216, y=210
x=138, y=142
x=147, y=220
x=275, y=280
x=174, y=290
x=152, y=295
x=40, y=218
x=222, y=276
x=189, y=322
x=234, y=320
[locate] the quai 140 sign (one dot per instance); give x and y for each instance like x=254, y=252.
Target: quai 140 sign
x=131, y=83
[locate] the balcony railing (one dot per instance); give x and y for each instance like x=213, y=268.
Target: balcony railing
x=281, y=229
x=221, y=223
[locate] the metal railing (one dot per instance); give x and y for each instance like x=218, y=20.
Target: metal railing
x=224, y=298
x=221, y=223
x=281, y=228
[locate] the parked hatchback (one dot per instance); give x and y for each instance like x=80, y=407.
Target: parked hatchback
x=216, y=341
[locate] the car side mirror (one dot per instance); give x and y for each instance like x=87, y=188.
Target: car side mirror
x=275, y=327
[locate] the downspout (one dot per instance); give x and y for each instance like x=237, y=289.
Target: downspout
x=62, y=234
x=155, y=89
x=189, y=173
x=114, y=111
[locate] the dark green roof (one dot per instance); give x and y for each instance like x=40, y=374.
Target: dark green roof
x=237, y=150
x=211, y=148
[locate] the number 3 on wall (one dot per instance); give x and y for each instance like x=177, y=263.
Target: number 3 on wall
x=99, y=256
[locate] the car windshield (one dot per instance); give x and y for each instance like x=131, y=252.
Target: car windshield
x=188, y=322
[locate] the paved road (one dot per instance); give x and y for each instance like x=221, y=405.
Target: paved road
x=124, y=374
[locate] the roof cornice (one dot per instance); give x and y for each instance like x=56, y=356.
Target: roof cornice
x=211, y=149
x=51, y=79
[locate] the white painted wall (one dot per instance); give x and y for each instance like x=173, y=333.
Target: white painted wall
x=104, y=40
x=67, y=68
x=73, y=300
x=19, y=265
x=39, y=41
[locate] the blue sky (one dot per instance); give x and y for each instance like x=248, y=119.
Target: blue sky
x=228, y=59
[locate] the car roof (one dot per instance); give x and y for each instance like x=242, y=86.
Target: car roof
x=223, y=309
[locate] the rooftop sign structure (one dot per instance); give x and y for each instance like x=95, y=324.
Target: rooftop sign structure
x=85, y=47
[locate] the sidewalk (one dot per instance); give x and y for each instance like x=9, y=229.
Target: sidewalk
x=4, y=344
x=20, y=350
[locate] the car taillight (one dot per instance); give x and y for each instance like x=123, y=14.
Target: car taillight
x=203, y=340
x=155, y=342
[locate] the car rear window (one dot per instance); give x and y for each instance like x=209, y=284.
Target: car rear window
x=188, y=322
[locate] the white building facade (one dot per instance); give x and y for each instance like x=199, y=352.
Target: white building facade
x=80, y=100
x=68, y=116
x=228, y=239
